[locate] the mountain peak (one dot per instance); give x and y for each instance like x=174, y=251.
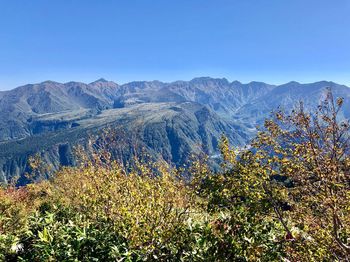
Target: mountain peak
x=100, y=80
x=292, y=83
x=49, y=82
x=103, y=83
x=236, y=82
x=209, y=79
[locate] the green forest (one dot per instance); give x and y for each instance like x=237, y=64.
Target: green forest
x=286, y=197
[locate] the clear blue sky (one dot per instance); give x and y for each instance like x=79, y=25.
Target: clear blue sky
x=264, y=40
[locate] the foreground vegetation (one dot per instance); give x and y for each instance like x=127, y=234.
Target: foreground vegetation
x=284, y=199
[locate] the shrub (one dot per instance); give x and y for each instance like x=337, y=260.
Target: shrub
x=285, y=198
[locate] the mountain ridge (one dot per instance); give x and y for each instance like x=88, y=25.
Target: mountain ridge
x=45, y=117
x=201, y=78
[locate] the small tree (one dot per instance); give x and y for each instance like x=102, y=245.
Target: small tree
x=296, y=176
x=311, y=151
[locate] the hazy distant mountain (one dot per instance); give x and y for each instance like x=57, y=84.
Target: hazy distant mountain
x=169, y=120
x=286, y=96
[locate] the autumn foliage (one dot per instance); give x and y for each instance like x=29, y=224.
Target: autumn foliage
x=285, y=198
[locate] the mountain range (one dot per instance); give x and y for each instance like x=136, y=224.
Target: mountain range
x=167, y=120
